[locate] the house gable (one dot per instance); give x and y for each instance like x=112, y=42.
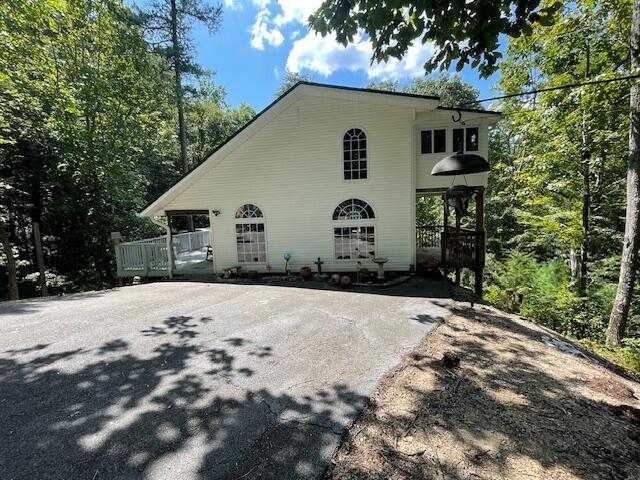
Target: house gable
x=393, y=100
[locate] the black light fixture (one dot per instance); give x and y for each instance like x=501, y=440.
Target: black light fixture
x=458, y=196
x=460, y=164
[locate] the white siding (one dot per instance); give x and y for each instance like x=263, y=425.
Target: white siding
x=425, y=163
x=292, y=169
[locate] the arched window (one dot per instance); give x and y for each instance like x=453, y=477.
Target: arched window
x=353, y=209
x=354, y=148
x=251, y=240
x=248, y=210
x=353, y=236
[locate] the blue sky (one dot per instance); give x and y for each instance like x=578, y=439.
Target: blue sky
x=259, y=39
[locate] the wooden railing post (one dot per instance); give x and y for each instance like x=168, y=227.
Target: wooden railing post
x=116, y=240
x=169, y=250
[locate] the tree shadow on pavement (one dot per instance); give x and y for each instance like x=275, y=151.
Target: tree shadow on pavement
x=176, y=411
x=515, y=408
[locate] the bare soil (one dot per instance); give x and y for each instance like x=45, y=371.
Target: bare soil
x=516, y=406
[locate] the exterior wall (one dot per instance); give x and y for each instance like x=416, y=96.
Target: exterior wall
x=424, y=163
x=292, y=170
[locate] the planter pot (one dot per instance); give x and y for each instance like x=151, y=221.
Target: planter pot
x=252, y=274
x=305, y=273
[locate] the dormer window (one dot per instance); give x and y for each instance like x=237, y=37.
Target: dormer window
x=354, y=148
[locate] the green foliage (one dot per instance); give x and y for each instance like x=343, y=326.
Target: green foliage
x=289, y=80
x=87, y=132
x=544, y=293
x=627, y=356
x=450, y=88
x=462, y=32
x=554, y=156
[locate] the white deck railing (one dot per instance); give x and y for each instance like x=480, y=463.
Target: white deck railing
x=148, y=257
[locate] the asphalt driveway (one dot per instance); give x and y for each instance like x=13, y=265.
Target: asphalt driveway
x=193, y=380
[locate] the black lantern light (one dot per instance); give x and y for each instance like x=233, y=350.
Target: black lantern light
x=460, y=164
x=458, y=196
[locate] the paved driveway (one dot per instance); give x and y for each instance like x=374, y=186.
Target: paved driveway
x=193, y=380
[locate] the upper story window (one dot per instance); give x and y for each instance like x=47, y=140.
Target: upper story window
x=354, y=148
x=433, y=141
x=353, y=209
x=465, y=139
x=251, y=241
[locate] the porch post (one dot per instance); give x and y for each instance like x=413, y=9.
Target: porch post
x=457, y=249
x=480, y=242
x=445, y=235
x=169, y=238
x=213, y=249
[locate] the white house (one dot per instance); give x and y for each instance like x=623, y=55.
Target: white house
x=327, y=171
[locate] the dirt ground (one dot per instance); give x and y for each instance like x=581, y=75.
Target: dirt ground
x=519, y=405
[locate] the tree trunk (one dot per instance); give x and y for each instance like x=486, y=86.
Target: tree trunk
x=586, y=189
x=177, y=69
x=622, y=302
x=586, y=208
x=11, y=263
x=37, y=242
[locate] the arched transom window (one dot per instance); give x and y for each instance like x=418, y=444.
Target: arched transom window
x=353, y=236
x=251, y=240
x=354, y=147
x=353, y=209
x=248, y=210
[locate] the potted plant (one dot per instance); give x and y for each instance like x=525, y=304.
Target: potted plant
x=365, y=275
x=305, y=273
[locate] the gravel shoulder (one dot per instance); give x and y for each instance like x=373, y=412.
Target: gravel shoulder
x=523, y=403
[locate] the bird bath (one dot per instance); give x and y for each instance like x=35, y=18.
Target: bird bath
x=380, y=261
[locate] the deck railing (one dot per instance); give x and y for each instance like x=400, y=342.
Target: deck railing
x=429, y=235
x=148, y=257
x=459, y=247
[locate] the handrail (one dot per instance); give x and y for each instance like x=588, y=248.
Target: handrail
x=148, y=257
x=459, y=247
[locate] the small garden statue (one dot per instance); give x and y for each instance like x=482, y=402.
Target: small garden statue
x=319, y=265
x=287, y=256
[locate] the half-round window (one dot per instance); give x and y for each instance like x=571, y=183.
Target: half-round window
x=354, y=148
x=353, y=209
x=249, y=210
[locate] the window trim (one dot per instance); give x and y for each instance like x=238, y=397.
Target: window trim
x=251, y=220
x=358, y=224
x=363, y=222
x=466, y=139
x=341, y=155
x=449, y=140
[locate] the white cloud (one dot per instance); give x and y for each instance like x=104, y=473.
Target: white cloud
x=295, y=10
x=267, y=28
x=325, y=55
x=295, y=34
x=261, y=33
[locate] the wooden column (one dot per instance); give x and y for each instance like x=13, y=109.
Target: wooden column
x=480, y=242
x=170, y=264
x=457, y=248
x=445, y=236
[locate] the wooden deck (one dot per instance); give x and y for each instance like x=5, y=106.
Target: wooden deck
x=148, y=257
